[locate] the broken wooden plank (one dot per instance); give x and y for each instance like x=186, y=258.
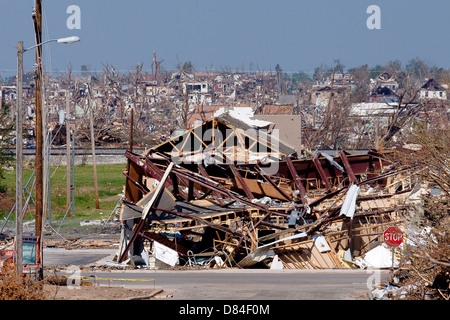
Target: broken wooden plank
x=215, y=193
x=322, y=174
x=145, y=211
x=297, y=180
x=241, y=182
x=348, y=167
x=268, y=179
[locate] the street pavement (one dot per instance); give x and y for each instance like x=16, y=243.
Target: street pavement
x=225, y=284
x=251, y=284
x=54, y=257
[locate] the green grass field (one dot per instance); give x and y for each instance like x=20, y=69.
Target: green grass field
x=110, y=185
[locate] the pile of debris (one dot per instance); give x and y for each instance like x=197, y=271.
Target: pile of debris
x=424, y=273
x=230, y=194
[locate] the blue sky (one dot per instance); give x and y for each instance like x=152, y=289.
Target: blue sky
x=245, y=34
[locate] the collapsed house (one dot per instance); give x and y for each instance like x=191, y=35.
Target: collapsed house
x=231, y=194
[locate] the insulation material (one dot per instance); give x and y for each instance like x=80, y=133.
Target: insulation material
x=379, y=257
x=349, y=206
x=332, y=162
x=321, y=243
x=276, y=264
x=243, y=114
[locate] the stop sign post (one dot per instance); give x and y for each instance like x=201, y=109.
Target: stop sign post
x=393, y=237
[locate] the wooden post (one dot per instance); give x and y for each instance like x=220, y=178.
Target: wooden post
x=68, y=164
x=37, y=17
x=91, y=118
x=19, y=158
x=129, y=182
x=131, y=128
x=73, y=174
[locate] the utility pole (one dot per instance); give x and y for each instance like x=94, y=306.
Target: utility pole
x=128, y=182
x=131, y=128
x=68, y=164
x=73, y=173
x=19, y=159
x=91, y=118
x=37, y=19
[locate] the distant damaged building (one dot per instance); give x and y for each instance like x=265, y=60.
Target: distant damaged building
x=433, y=90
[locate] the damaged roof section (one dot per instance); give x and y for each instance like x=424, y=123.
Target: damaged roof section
x=224, y=139
x=226, y=194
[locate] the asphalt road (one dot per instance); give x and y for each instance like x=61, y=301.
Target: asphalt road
x=84, y=257
x=248, y=284
x=225, y=284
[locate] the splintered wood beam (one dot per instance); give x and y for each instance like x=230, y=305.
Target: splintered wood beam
x=137, y=231
x=158, y=190
x=138, y=185
x=184, y=143
x=190, y=190
x=297, y=180
x=175, y=190
x=157, y=173
x=133, y=174
x=269, y=180
x=202, y=221
x=242, y=183
x=150, y=168
x=322, y=173
x=202, y=170
x=216, y=186
x=348, y=167
x=147, y=165
x=148, y=207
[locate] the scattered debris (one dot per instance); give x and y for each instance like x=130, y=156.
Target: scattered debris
x=226, y=194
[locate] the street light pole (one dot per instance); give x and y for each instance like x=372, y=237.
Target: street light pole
x=19, y=159
x=39, y=145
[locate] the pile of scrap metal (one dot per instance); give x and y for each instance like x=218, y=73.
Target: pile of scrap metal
x=254, y=203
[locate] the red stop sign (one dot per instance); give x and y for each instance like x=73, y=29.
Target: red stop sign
x=393, y=236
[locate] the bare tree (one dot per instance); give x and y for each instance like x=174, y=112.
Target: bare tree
x=184, y=111
x=334, y=123
x=404, y=111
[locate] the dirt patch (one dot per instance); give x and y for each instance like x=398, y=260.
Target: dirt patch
x=54, y=292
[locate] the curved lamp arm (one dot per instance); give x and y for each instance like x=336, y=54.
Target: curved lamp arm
x=60, y=40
